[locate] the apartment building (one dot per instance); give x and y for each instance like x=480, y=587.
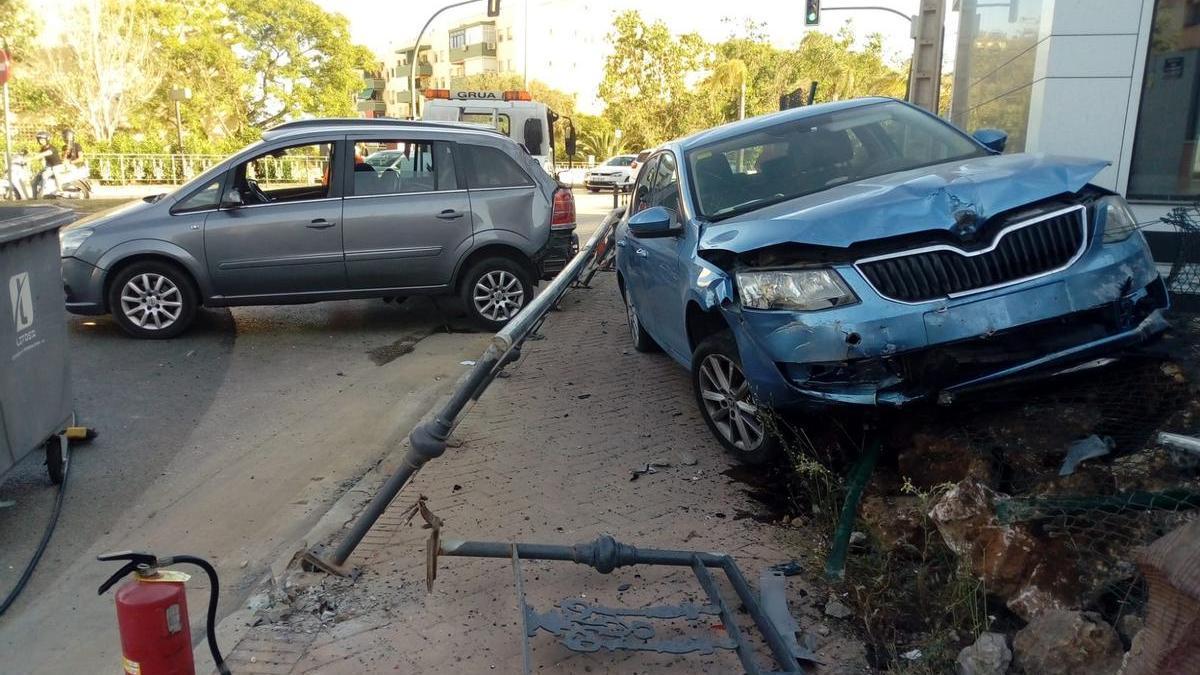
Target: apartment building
x=540, y=40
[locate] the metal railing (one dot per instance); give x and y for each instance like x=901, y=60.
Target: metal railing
x=428, y=440
x=148, y=168
x=176, y=169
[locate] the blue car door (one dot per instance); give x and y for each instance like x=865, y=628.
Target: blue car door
x=661, y=266
x=634, y=253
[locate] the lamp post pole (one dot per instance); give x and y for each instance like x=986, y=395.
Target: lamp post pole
x=412, y=65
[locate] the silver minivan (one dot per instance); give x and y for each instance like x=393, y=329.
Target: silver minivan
x=330, y=209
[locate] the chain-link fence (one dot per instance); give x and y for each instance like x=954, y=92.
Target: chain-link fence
x=1022, y=498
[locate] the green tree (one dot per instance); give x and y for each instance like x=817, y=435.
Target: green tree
x=301, y=59
x=105, y=70
x=194, y=42
x=645, y=86
x=19, y=27
x=598, y=138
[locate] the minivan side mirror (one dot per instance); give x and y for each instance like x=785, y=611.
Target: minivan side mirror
x=654, y=222
x=232, y=199
x=992, y=139
x=533, y=136
x=571, y=142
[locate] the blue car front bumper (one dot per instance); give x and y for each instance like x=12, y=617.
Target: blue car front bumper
x=885, y=353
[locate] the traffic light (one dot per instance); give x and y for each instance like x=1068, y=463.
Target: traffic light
x=812, y=12
x=493, y=7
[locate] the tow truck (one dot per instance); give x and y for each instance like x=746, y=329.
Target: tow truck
x=513, y=113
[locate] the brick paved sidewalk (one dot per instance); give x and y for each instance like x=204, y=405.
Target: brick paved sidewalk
x=545, y=456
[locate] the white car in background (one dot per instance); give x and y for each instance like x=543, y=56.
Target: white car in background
x=616, y=171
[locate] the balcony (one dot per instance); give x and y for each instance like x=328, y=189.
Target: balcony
x=479, y=49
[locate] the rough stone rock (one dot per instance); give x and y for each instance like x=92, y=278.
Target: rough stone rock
x=937, y=458
x=1063, y=642
x=1031, y=574
x=837, y=609
x=989, y=655
x=1128, y=626
x=894, y=521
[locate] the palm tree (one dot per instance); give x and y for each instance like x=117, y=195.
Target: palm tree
x=729, y=74
x=601, y=142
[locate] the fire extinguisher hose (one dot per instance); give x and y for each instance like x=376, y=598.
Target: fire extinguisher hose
x=41, y=548
x=214, y=591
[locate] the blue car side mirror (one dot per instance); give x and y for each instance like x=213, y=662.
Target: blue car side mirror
x=992, y=139
x=655, y=221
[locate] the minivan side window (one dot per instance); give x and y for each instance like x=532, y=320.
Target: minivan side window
x=389, y=167
x=294, y=174
x=488, y=167
x=207, y=197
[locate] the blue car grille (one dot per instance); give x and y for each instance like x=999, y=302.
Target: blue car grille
x=1021, y=251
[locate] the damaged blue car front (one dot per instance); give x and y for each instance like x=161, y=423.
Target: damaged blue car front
x=867, y=253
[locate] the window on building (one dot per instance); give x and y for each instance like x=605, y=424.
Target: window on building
x=1166, y=164
x=458, y=40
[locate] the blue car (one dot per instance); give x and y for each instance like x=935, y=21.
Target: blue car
x=865, y=253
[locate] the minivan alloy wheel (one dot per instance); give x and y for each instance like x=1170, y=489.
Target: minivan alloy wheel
x=498, y=295
x=151, y=301
x=729, y=403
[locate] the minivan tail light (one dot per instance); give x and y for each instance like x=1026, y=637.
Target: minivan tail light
x=563, y=215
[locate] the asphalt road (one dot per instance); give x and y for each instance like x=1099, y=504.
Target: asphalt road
x=228, y=442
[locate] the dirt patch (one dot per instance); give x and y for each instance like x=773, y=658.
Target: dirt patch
x=384, y=355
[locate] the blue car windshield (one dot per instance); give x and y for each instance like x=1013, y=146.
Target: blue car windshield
x=802, y=156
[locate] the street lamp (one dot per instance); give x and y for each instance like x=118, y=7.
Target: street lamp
x=176, y=95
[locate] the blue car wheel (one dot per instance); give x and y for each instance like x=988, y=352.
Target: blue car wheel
x=641, y=339
x=742, y=425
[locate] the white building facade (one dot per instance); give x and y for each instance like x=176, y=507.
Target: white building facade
x=1113, y=79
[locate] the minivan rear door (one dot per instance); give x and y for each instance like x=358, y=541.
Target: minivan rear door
x=407, y=216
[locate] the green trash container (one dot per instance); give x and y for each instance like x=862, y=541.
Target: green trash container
x=35, y=387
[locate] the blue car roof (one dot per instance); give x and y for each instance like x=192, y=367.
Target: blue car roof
x=762, y=121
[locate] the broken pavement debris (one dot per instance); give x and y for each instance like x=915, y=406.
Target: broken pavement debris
x=1031, y=573
x=1088, y=448
x=648, y=468
x=1061, y=642
x=989, y=655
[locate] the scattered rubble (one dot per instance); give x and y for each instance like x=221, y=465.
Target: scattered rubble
x=1031, y=574
x=837, y=609
x=989, y=655
x=937, y=458
x=1061, y=642
x=894, y=522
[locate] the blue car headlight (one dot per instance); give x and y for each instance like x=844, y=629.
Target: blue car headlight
x=798, y=290
x=69, y=241
x=1118, y=220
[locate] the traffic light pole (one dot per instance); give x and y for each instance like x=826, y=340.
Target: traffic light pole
x=925, y=68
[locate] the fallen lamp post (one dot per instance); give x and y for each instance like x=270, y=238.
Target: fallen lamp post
x=428, y=440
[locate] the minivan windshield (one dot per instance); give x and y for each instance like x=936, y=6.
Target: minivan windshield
x=803, y=156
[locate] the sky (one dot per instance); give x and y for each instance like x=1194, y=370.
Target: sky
x=380, y=23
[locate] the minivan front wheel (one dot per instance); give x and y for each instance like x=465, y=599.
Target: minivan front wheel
x=729, y=408
x=152, y=299
x=494, y=290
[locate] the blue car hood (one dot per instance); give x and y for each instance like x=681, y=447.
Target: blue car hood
x=907, y=202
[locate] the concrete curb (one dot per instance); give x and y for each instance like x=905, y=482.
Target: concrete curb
x=236, y=624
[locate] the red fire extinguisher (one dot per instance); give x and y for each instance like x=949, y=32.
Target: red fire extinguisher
x=152, y=614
